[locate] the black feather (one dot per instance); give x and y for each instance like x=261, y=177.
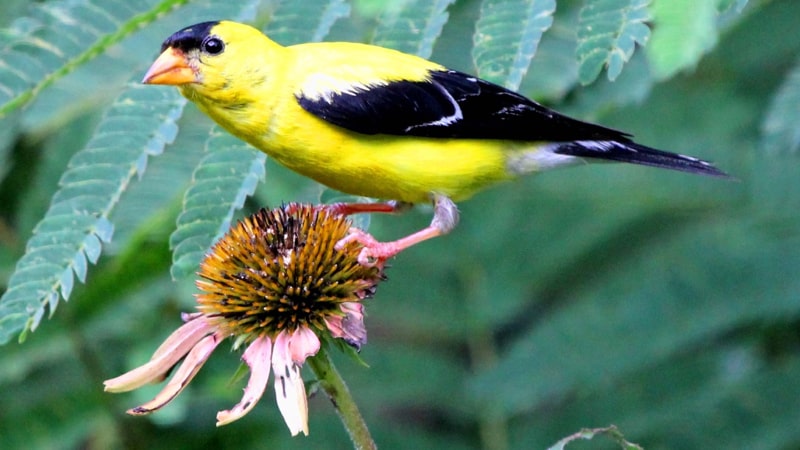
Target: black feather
x=631, y=152
x=417, y=108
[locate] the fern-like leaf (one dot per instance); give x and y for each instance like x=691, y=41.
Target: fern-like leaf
x=220, y=184
x=139, y=124
x=554, y=71
x=413, y=28
x=684, y=30
x=506, y=37
x=780, y=130
x=61, y=36
x=608, y=31
x=291, y=23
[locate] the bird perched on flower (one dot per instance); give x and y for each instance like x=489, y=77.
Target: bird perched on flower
x=379, y=123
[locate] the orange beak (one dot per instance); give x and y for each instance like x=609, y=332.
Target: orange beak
x=171, y=68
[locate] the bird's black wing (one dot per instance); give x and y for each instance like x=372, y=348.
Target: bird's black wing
x=451, y=104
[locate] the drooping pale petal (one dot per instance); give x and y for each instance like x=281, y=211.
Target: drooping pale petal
x=349, y=327
x=290, y=392
x=258, y=356
x=194, y=325
x=302, y=344
x=175, y=347
x=188, y=369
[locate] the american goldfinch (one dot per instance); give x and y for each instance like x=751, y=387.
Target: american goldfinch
x=375, y=122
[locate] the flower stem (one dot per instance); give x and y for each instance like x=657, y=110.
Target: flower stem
x=333, y=384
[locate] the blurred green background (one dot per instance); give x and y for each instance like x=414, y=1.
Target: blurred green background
x=664, y=303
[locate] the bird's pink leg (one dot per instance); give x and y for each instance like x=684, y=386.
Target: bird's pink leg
x=445, y=218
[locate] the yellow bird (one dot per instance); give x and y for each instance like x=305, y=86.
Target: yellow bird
x=375, y=122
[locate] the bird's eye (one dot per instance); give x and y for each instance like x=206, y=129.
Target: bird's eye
x=213, y=45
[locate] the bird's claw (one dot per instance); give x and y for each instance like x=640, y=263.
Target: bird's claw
x=373, y=253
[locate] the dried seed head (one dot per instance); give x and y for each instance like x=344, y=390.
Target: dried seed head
x=278, y=270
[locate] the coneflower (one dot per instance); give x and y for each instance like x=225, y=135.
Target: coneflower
x=275, y=284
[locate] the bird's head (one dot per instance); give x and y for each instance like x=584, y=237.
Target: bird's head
x=211, y=58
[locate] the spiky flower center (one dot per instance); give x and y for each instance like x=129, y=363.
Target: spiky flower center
x=278, y=270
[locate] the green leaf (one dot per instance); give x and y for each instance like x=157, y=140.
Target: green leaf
x=537, y=369
x=306, y=21
x=608, y=31
x=554, y=70
x=553, y=73
x=413, y=28
x=631, y=87
x=683, y=31
x=139, y=124
x=718, y=384
x=220, y=184
x=779, y=129
x=506, y=36
x=60, y=37
x=764, y=400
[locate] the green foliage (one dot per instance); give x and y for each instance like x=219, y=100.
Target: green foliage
x=607, y=35
x=684, y=31
x=506, y=36
x=414, y=28
x=662, y=303
x=138, y=125
x=307, y=21
x=220, y=184
x=59, y=37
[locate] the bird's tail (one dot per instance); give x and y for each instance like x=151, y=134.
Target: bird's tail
x=631, y=152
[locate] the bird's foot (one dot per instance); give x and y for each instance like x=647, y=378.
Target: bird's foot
x=373, y=253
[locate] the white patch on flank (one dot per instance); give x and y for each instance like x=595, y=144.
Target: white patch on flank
x=537, y=159
x=446, y=120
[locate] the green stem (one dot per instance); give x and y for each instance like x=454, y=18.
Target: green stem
x=333, y=384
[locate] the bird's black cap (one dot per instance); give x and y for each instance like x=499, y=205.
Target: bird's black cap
x=189, y=38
